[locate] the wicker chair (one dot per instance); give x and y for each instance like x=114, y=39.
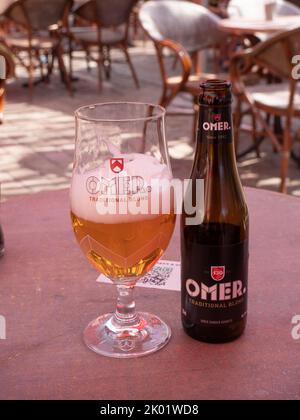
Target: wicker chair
x=8, y=65
x=281, y=100
x=108, y=28
x=38, y=35
x=184, y=29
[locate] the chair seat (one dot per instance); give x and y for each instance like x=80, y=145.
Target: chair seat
x=274, y=97
x=88, y=35
x=38, y=42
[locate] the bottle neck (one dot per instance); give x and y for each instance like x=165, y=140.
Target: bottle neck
x=215, y=125
x=215, y=162
x=215, y=143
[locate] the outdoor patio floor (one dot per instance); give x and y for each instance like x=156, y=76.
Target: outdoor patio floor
x=37, y=138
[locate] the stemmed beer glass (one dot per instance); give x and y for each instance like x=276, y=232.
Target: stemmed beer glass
x=123, y=216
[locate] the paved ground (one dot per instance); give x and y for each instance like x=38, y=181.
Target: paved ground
x=37, y=138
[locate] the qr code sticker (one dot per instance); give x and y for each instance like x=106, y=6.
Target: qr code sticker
x=164, y=276
x=158, y=276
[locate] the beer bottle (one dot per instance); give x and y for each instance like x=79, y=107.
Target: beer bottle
x=215, y=249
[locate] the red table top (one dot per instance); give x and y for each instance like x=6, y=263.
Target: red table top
x=48, y=294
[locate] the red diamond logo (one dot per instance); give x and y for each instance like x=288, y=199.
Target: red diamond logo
x=117, y=165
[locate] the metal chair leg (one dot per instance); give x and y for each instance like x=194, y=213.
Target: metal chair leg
x=100, y=67
x=285, y=160
x=132, y=69
x=196, y=63
x=254, y=135
x=65, y=75
x=70, y=51
x=31, y=75
x=106, y=62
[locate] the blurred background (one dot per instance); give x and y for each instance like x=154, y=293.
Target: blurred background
x=64, y=54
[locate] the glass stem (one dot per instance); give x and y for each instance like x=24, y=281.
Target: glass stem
x=125, y=313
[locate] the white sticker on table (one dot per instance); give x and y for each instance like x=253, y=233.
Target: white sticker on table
x=165, y=275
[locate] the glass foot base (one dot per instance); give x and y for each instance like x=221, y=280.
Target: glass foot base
x=147, y=336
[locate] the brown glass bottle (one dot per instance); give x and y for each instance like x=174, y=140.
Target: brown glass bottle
x=215, y=251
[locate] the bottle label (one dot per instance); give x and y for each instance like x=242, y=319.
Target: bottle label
x=215, y=284
x=215, y=125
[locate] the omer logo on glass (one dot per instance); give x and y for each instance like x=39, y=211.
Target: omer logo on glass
x=119, y=185
x=116, y=186
x=217, y=124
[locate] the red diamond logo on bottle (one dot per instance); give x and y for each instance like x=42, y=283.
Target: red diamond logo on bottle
x=117, y=165
x=217, y=273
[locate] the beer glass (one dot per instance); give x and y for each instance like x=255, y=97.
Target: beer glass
x=123, y=217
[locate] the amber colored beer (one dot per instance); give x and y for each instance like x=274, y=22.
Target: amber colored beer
x=124, y=250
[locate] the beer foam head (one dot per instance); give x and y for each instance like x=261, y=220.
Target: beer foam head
x=123, y=189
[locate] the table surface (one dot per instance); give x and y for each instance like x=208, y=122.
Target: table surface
x=241, y=26
x=48, y=294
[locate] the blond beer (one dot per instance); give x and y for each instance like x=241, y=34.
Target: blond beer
x=113, y=220
x=121, y=250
